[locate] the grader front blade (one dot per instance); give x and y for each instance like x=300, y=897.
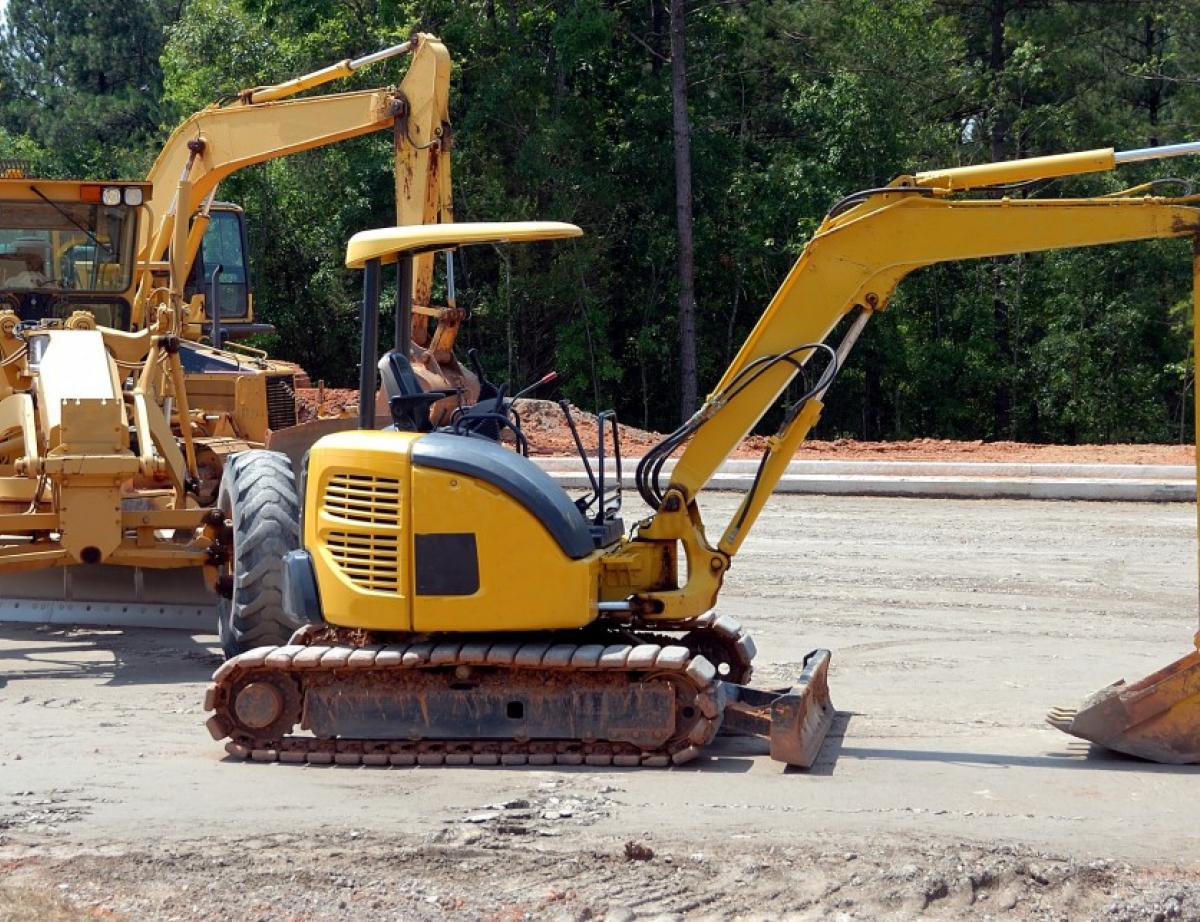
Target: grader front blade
x=1157, y=718
x=103, y=595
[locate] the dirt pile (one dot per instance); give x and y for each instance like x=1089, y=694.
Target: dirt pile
x=545, y=425
x=546, y=428
x=312, y=402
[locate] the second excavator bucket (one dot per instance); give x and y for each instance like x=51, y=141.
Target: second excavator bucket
x=795, y=721
x=1157, y=718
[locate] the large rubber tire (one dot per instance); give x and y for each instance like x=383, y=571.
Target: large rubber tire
x=258, y=496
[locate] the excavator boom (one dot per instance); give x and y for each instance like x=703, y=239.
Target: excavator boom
x=263, y=124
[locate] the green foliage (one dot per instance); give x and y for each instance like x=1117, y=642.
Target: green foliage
x=562, y=110
x=82, y=79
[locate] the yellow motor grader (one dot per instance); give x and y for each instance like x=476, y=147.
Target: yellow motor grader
x=125, y=398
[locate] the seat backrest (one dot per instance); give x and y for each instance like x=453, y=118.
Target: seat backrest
x=399, y=380
x=397, y=376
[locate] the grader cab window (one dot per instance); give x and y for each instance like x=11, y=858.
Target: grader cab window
x=66, y=247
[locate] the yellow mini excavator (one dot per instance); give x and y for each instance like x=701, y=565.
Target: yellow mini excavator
x=462, y=609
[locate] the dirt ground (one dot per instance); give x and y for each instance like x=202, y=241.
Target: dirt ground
x=546, y=429
x=940, y=793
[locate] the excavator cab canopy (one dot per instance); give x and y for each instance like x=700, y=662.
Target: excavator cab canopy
x=369, y=250
x=387, y=243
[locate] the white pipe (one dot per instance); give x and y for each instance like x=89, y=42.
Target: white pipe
x=376, y=56
x=1157, y=153
x=847, y=343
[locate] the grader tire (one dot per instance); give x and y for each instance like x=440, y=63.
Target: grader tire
x=258, y=495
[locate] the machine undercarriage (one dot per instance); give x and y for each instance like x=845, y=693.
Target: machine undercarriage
x=603, y=696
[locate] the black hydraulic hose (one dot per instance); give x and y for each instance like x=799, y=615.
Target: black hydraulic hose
x=854, y=198
x=648, y=474
x=758, y=472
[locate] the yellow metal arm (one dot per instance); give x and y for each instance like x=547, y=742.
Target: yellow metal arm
x=222, y=139
x=858, y=258
x=320, y=77
x=852, y=264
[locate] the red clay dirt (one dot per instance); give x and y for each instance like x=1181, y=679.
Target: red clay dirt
x=543, y=424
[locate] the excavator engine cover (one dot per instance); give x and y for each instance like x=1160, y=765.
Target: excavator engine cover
x=1157, y=718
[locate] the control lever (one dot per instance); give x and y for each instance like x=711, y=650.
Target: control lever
x=544, y=379
x=583, y=502
x=487, y=390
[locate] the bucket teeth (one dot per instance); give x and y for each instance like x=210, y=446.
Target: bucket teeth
x=1061, y=718
x=1155, y=718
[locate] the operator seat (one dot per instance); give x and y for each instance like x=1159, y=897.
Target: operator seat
x=408, y=402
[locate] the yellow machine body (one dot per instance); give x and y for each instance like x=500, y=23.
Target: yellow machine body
x=117, y=418
x=526, y=561
x=851, y=266
x=403, y=547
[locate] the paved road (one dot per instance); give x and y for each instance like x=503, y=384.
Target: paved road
x=955, y=625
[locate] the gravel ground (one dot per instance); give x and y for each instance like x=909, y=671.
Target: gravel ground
x=940, y=793
x=502, y=877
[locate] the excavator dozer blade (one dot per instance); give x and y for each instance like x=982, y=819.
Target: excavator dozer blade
x=795, y=721
x=294, y=441
x=1157, y=718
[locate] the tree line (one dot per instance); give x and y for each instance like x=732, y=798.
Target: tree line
x=575, y=110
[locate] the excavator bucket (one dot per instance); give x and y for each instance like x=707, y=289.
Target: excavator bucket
x=1157, y=718
x=795, y=721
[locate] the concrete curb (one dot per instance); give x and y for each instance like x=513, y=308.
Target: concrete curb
x=1102, y=482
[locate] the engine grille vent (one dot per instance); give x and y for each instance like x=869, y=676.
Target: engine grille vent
x=364, y=499
x=281, y=402
x=370, y=561
x=367, y=548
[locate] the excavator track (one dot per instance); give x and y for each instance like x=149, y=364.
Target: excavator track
x=448, y=702
x=720, y=639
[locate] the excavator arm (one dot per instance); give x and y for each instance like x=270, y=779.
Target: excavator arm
x=852, y=265
x=862, y=250
x=263, y=124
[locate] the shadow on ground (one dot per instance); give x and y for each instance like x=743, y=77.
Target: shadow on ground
x=131, y=656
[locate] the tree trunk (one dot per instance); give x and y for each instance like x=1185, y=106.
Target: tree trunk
x=1155, y=88
x=683, y=215
x=1002, y=397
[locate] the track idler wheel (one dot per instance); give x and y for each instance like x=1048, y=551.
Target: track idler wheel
x=721, y=640
x=263, y=707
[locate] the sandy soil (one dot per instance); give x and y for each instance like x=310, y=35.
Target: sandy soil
x=940, y=793
x=544, y=425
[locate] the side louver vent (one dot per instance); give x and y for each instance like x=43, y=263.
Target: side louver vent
x=281, y=402
x=370, y=561
x=367, y=548
x=364, y=499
